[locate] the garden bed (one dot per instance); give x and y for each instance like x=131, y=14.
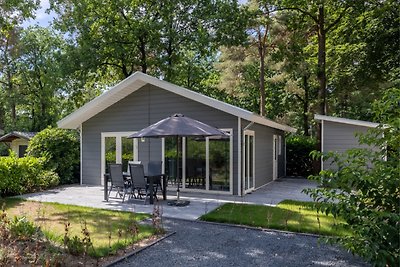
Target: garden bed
x=65, y=235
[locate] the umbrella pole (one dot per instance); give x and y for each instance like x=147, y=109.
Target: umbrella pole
x=177, y=167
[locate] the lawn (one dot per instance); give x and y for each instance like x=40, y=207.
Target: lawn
x=288, y=215
x=108, y=230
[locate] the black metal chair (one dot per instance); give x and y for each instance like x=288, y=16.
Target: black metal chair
x=154, y=168
x=139, y=183
x=117, y=181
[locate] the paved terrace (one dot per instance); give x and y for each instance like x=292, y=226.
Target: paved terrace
x=200, y=203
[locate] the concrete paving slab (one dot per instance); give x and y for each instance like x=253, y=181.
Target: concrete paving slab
x=200, y=203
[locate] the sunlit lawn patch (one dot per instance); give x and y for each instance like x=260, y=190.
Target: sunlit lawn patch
x=109, y=230
x=288, y=215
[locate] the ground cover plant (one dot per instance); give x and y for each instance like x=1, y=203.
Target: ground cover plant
x=288, y=215
x=56, y=231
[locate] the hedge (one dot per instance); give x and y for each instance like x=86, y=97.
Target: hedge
x=298, y=159
x=24, y=175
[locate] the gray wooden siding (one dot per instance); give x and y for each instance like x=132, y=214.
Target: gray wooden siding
x=138, y=110
x=264, y=153
x=340, y=137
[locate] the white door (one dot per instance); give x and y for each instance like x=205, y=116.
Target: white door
x=275, y=157
x=117, y=148
x=248, y=161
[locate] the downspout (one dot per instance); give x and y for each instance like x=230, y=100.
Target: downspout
x=80, y=154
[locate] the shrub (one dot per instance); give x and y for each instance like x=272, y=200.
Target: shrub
x=24, y=175
x=365, y=188
x=298, y=159
x=61, y=149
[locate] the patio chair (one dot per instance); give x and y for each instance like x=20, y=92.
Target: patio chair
x=117, y=181
x=132, y=162
x=139, y=183
x=154, y=168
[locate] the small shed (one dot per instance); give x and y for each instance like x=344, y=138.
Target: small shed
x=339, y=134
x=18, y=141
x=253, y=156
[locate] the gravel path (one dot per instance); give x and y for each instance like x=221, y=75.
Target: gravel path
x=203, y=244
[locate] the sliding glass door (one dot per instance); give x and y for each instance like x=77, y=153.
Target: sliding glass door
x=248, y=161
x=205, y=164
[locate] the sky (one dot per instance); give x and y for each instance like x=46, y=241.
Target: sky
x=42, y=18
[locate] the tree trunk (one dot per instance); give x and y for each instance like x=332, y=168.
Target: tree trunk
x=305, y=105
x=143, y=56
x=321, y=74
x=261, y=50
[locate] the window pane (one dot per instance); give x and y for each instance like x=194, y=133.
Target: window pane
x=195, y=163
x=219, y=157
x=127, y=152
x=170, y=159
x=110, y=151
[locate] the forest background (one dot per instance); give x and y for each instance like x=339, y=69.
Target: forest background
x=285, y=60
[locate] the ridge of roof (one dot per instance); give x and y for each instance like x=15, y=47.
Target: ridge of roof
x=138, y=80
x=346, y=121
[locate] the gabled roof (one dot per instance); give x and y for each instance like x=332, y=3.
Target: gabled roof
x=346, y=121
x=138, y=80
x=15, y=135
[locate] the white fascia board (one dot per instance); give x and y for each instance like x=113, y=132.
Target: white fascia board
x=228, y=108
x=98, y=104
x=139, y=79
x=346, y=121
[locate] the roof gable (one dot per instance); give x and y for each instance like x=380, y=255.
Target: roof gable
x=15, y=135
x=137, y=81
x=346, y=121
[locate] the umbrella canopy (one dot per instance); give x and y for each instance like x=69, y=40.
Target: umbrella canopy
x=178, y=125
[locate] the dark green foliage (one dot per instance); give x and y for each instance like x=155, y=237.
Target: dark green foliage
x=365, y=190
x=24, y=175
x=298, y=159
x=61, y=149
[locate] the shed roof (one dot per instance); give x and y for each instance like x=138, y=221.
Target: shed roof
x=137, y=81
x=16, y=135
x=345, y=121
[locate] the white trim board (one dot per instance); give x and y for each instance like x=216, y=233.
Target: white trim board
x=345, y=121
x=138, y=80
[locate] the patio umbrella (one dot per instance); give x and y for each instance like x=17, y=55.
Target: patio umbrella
x=177, y=126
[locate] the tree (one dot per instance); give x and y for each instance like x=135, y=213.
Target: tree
x=151, y=36
x=325, y=15
x=12, y=14
x=40, y=75
x=364, y=191
x=295, y=54
x=364, y=58
x=261, y=36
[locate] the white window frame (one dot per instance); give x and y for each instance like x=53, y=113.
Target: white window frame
x=207, y=190
x=253, y=134
x=118, y=145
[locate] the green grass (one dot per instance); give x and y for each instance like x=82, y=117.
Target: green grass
x=51, y=217
x=288, y=215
